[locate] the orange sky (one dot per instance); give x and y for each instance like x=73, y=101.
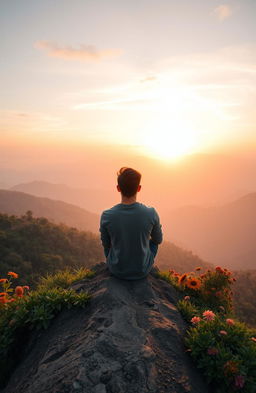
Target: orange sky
x=166, y=87
x=168, y=78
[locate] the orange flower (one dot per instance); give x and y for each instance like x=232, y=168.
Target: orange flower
x=223, y=332
x=3, y=280
x=198, y=268
x=193, y=283
x=182, y=278
x=253, y=339
x=19, y=291
x=26, y=287
x=3, y=299
x=219, y=269
x=230, y=321
x=13, y=275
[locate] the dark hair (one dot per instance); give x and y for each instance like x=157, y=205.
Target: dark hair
x=128, y=180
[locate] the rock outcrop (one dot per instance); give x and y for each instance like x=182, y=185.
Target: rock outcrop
x=128, y=340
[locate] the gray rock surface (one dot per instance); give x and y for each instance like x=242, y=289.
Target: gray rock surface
x=128, y=340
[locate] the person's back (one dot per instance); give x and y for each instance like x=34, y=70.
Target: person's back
x=130, y=231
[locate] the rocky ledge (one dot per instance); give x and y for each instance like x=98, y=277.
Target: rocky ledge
x=128, y=340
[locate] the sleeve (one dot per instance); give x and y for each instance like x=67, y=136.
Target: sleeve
x=156, y=233
x=104, y=235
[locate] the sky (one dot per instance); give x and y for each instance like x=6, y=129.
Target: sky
x=164, y=77
x=93, y=85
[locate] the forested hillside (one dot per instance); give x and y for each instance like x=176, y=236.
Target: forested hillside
x=34, y=246
x=175, y=258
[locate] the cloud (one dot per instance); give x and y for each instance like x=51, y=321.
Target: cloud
x=149, y=79
x=223, y=12
x=84, y=53
x=12, y=120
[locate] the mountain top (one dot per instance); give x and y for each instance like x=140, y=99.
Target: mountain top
x=129, y=339
x=18, y=202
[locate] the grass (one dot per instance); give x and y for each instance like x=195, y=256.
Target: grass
x=22, y=311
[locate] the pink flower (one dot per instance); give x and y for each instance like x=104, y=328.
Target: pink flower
x=230, y=321
x=186, y=298
x=239, y=381
x=253, y=339
x=223, y=332
x=195, y=320
x=208, y=315
x=212, y=351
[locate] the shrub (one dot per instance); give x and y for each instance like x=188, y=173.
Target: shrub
x=225, y=352
x=21, y=311
x=223, y=348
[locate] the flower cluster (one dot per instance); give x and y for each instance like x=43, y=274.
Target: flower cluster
x=223, y=348
x=186, y=280
x=225, y=336
x=9, y=294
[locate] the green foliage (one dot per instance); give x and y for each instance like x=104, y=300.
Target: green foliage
x=33, y=247
x=20, y=314
x=171, y=279
x=64, y=278
x=215, y=290
x=212, y=288
x=187, y=309
x=225, y=353
x=223, y=348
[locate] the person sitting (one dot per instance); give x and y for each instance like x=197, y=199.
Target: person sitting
x=130, y=231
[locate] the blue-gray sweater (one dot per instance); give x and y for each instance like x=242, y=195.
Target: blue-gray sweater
x=126, y=234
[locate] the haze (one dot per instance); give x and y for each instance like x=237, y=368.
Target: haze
x=167, y=87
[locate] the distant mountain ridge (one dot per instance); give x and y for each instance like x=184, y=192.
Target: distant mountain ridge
x=221, y=234
x=94, y=200
x=15, y=202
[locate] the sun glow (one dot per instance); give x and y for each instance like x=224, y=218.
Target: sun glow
x=169, y=146
x=169, y=140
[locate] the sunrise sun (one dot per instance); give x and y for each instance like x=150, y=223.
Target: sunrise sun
x=169, y=141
